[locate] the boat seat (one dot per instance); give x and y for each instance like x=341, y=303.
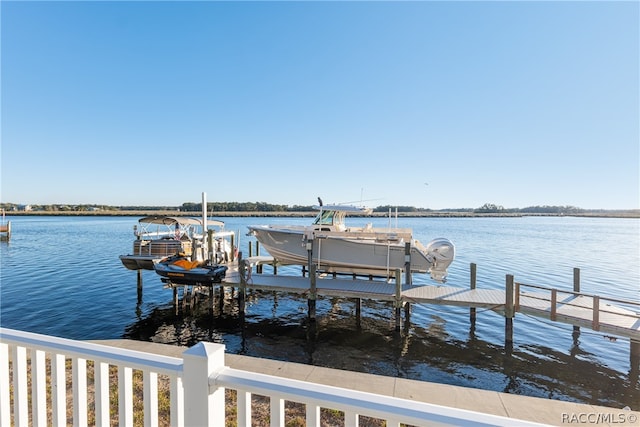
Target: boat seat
x=186, y=264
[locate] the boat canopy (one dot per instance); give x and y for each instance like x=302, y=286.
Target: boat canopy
x=334, y=214
x=170, y=220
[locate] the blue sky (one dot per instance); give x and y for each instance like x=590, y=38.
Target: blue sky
x=152, y=103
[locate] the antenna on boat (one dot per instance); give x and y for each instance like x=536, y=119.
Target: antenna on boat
x=205, y=236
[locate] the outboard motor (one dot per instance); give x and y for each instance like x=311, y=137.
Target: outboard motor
x=440, y=253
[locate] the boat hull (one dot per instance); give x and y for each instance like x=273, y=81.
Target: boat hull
x=340, y=253
x=139, y=262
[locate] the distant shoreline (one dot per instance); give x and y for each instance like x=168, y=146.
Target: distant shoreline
x=141, y=213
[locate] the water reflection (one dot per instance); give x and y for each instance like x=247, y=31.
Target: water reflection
x=275, y=326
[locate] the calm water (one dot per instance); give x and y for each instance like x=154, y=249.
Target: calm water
x=62, y=276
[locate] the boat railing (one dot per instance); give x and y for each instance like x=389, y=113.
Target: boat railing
x=34, y=370
x=377, y=234
x=149, y=235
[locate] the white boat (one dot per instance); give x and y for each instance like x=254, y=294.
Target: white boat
x=158, y=237
x=354, y=250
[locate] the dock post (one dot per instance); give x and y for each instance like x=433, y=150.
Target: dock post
x=397, y=304
x=139, y=286
x=242, y=291
x=209, y=246
x=576, y=288
x=407, y=263
x=194, y=249
x=596, y=313
x=312, y=281
x=407, y=316
x=554, y=304
x=233, y=247
x=508, y=315
x=472, y=285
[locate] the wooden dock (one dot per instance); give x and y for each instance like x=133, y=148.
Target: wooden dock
x=5, y=228
x=616, y=317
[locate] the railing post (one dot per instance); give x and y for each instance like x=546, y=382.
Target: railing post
x=509, y=313
x=58, y=390
x=576, y=289
x=79, y=390
x=150, y=397
x=101, y=381
x=176, y=393
x=203, y=407
x=554, y=303
x=38, y=388
x=20, y=408
x=244, y=408
x=596, y=313
x=125, y=396
x=5, y=407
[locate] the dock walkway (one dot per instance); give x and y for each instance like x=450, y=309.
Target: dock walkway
x=590, y=311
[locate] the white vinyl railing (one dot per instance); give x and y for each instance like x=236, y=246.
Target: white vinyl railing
x=197, y=389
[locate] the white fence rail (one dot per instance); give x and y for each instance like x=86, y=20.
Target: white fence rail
x=34, y=372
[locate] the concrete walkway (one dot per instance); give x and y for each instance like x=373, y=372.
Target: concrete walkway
x=546, y=411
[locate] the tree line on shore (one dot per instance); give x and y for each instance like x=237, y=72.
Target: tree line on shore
x=263, y=207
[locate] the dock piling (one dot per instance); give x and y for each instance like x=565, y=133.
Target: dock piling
x=311, y=299
x=576, y=289
x=407, y=263
x=242, y=290
x=596, y=313
x=508, y=313
x=139, y=286
x=397, y=303
x=472, y=285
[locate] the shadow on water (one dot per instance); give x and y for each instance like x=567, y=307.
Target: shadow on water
x=276, y=326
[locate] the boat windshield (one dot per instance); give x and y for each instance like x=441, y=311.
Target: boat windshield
x=329, y=217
